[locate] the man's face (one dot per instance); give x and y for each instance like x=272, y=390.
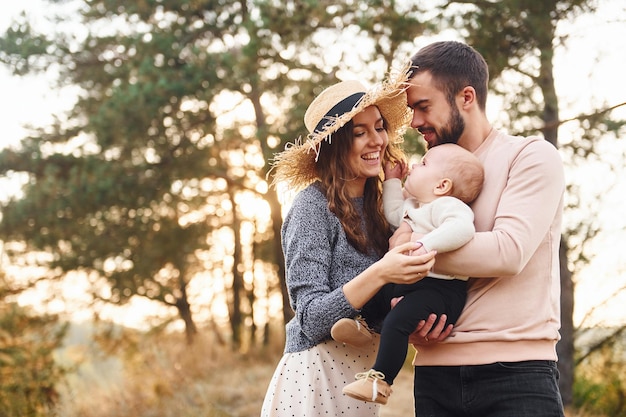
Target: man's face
x=433, y=116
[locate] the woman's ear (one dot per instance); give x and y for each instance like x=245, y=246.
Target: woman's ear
x=443, y=187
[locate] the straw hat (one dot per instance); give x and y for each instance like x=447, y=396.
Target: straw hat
x=331, y=110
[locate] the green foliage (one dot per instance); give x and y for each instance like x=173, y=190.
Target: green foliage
x=29, y=376
x=21, y=47
x=518, y=37
x=600, y=398
x=506, y=31
x=600, y=385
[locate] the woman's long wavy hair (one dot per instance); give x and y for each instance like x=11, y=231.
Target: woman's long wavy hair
x=372, y=231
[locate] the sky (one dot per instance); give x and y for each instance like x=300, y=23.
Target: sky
x=589, y=70
x=31, y=98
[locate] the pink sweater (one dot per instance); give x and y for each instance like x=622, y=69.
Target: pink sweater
x=513, y=305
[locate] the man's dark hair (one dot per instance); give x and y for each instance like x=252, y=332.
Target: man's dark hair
x=453, y=65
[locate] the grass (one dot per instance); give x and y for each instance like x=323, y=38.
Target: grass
x=164, y=377
x=161, y=376
x=152, y=376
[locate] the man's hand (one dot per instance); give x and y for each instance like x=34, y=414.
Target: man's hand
x=428, y=332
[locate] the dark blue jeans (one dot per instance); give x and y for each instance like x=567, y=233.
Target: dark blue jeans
x=502, y=389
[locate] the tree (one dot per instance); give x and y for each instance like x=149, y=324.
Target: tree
x=127, y=188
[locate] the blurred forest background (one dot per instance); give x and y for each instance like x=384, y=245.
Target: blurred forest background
x=140, y=255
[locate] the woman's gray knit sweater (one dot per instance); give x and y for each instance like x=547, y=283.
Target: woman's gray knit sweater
x=319, y=261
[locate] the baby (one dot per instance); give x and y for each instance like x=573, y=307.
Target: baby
x=433, y=208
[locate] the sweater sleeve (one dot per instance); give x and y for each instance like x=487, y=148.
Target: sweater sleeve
x=524, y=185
x=308, y=237
x=452, y=223
x=393, y=201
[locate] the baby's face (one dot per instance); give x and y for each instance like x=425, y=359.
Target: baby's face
x=425, y=176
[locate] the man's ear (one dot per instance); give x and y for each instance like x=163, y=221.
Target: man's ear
x=469, y=96
x=443, y=187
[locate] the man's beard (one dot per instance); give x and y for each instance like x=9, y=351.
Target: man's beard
x=451, y=132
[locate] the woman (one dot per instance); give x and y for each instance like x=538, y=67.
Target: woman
x=335, y=241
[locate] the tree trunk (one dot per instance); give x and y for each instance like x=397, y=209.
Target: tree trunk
x=236, y=317
x=565, y=347
x=184, y=310
x=277, y=222
x=272, y=199
x=550, y=117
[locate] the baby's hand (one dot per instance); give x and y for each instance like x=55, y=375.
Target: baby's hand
x=395, y=170
x=420, y=251
x=402, y=235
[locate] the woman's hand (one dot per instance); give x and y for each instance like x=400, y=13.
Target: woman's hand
x=428, y=332
x=395, y=267
x=399, y=268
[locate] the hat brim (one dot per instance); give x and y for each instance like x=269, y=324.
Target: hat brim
x=296, y=165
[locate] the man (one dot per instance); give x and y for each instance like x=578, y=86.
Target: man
x=501, y=357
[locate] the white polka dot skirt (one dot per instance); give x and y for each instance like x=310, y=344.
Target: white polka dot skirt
x=309, y=383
